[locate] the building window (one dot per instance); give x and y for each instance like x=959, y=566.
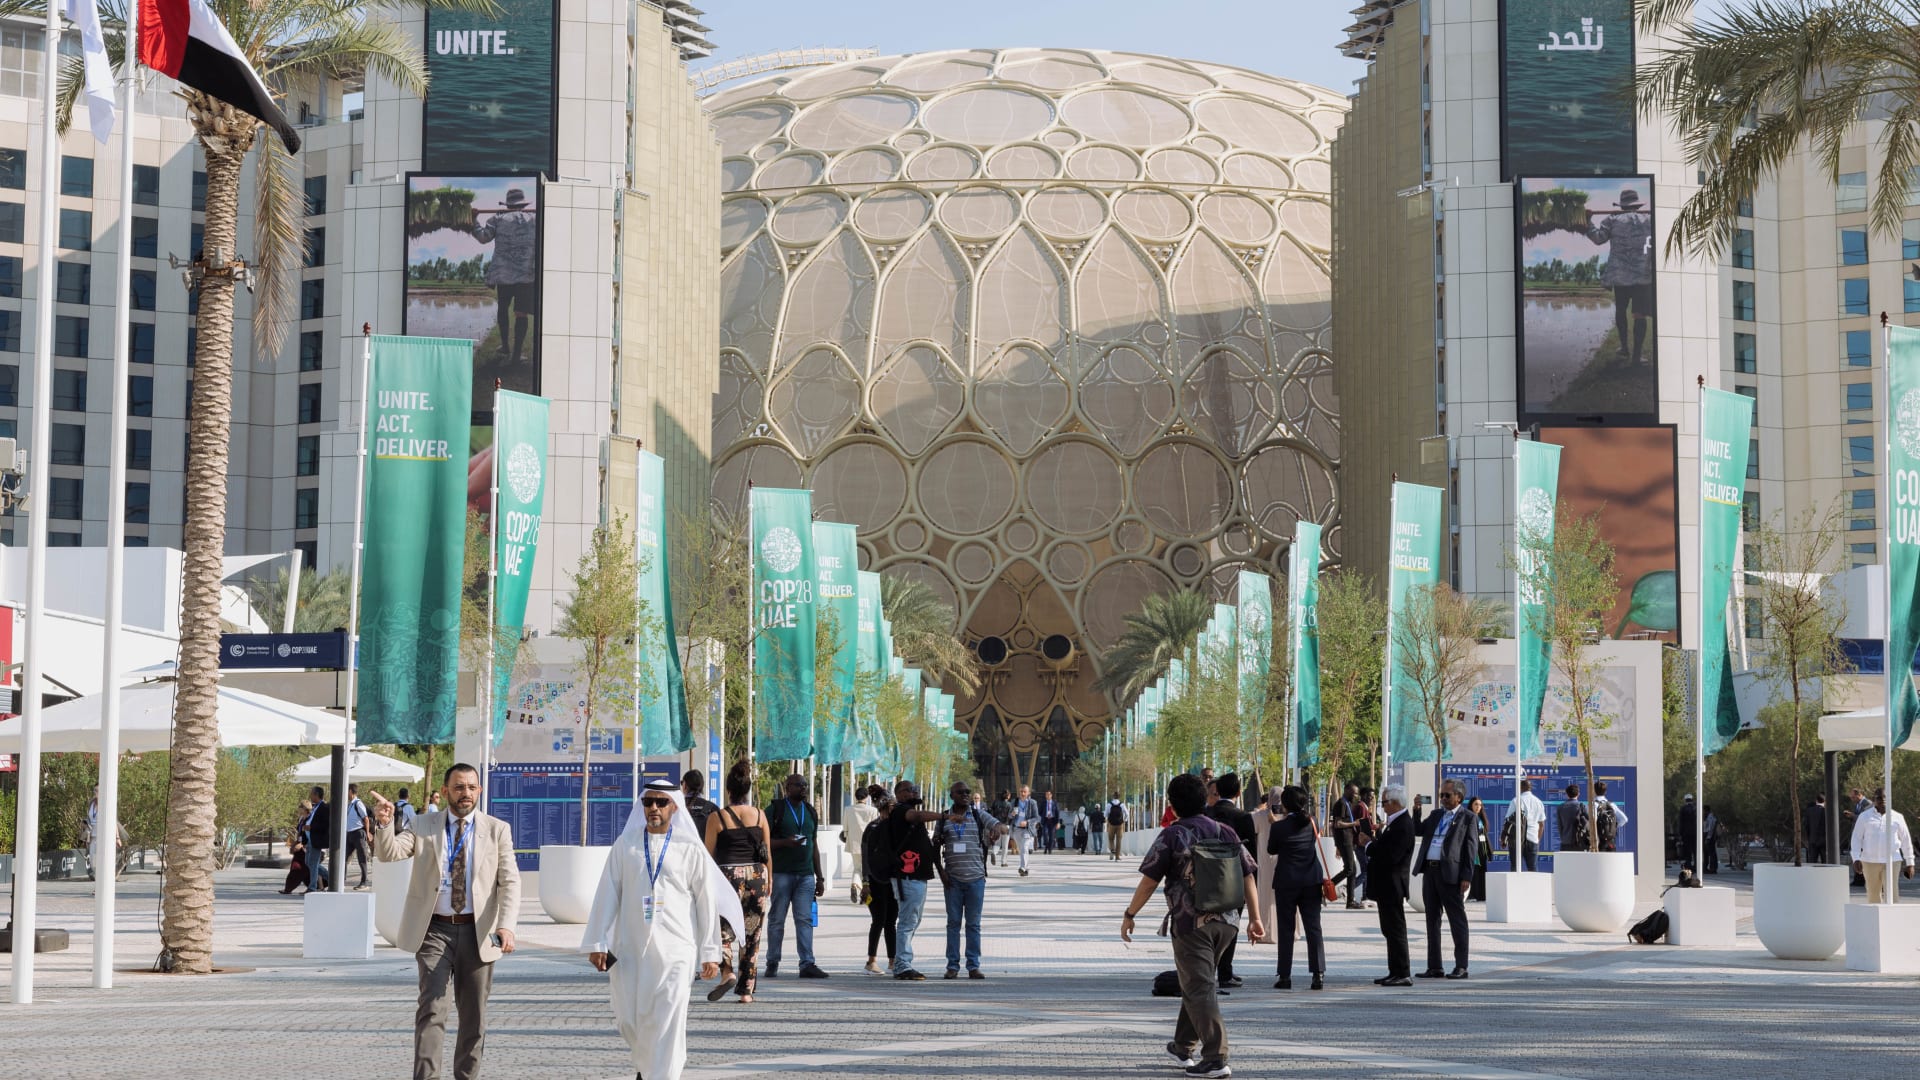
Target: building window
x=1743, y=249
x=140, y=395
x=1853, y=247
x=69, y=445
x=9, y=275
x=316, y=194
x=1862, y=524
x=64, y=500
x=1851, y=194
x=146, y=238
x=140, y=343
x=312, y=347
x=1863, y=498
x=306, y=456
x=71, y=336
x=310, y=403
x=1910, y=239
x=1860, y=449
x=306, y=508
x=146, y=185
x=196, y=240
x=1750, y=510
x=1745, y=350
x=1859, y=396
x=186, y=409
x=1743, y=301
x=316, y=247
x=73, y=283
x=70, y=390
x=1744, y=208
x=1749, y=391
x=64, y=539
x=313, y=299
x=139, y=499
x=76, y=176
x=139, y=448
x=193, y=345
x=1756, y=623
x=76, y=230
x=1857, y=347
x=1909, y=295
x=9, y=331
x=13, y=223
x=1753, y=459
x=13, y=163
x=9, y=386
x=1853, y=296
x=309, y=552
x=145, y=290
x=199, y=189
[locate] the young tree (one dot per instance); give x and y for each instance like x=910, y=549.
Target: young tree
x=1351, y=616
x=1436, y=643
x=923, y=632
x=606, y=617
x=1800, y=621
x=1579, y=586
x=711, y=583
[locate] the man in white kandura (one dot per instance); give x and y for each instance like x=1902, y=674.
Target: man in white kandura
x=656, y=916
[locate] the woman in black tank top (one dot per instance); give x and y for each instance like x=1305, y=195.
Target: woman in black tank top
x=737, y=836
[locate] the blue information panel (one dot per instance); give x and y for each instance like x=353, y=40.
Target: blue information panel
x=1493, y=786
x=541, y=801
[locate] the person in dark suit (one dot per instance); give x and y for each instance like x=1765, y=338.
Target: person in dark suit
x=1448, y=846
x=1298, y=871
x=1564, y=816
x=1817, y=830
x=1225, y=809
x=1049, y=823
x=1389, y=884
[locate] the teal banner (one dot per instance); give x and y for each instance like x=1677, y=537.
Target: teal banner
x=783, y=588
x=519, y=484
x=872, y=667
x=665, y=728
x=1303, y=590
x=1176, y=685
x=415, y=533
x=836, y=559
x=1726, y=425
x=1419, y=529
x=910, y=680
x=1255, y=647
x=1903, y=527
x=493, y=75
x=1536, y=470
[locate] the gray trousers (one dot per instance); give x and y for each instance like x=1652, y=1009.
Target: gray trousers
x=1196, y=956
x=450, y=965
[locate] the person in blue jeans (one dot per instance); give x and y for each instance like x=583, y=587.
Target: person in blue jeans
x=960, y=857
x=797, y=880
x=913, y=866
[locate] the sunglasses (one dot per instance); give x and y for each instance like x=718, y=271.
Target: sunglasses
x=656, y=802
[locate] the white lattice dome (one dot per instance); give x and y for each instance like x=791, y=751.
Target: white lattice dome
x=1049, y=326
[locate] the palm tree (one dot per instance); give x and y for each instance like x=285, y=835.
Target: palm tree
x=1163, y=629
x=1745, y=87
x=322, y=605
x=923, y=633
x=288, y=42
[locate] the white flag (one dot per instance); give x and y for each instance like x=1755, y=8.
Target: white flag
x=99, y=82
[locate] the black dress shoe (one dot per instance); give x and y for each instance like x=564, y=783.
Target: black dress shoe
x=1398, y=980
x=1457, y=973
x=1382, y=980
x=1317, y=984
x=1286, y=983
x=1431, y=973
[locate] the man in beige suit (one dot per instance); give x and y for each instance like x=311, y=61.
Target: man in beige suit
x=463, y=902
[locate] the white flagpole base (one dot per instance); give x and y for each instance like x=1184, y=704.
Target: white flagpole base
x=1884, y=938
x=338, y=926
x=1700, y=917
x=1520, y=898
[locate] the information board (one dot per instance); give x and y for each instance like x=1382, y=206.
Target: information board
x=541, y=800
x=1493, y=786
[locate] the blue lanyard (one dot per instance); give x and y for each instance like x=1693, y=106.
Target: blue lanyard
x=456, y=842
x=653, y=869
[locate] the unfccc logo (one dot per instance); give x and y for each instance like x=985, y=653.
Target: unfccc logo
x=1536, y=515
x=781, y=550
x=285, y=650
x=1906, y=423
x=236, y=651
x=523, y=473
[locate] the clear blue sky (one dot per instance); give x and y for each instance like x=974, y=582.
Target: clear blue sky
x=1296, y=39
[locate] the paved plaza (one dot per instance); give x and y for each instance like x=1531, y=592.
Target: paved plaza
x=1065, y=998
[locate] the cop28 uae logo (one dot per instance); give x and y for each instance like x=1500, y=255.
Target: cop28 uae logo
x=780, y=550
x=1536, y=515
x=523, y=473
x=1906, y=423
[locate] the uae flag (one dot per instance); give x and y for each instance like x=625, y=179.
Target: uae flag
x=184, y=39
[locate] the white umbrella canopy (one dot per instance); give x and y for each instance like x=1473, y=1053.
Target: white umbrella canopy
x=364, y=766
x=146, y=722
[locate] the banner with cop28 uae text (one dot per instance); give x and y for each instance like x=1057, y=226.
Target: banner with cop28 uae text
x=1537, y=486
x=783, y=616
x=1903, y=527
x=1419, y=524
x=520, y=485
x=1726, y=425
x=665, y=727
x=415, y=529
x=836, y=559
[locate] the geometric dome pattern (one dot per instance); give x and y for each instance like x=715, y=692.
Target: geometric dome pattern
x=1050, y=327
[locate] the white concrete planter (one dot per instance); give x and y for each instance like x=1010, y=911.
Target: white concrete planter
x=337, y=926
x=389, y=896
x=1520, y=898
x=1883, y=938
x=1799, y=912
x=833, y=851
x=1700, y=917
x=569, y=876
x=1593, y=890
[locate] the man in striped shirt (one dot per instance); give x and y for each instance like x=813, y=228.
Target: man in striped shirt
x=960, y=856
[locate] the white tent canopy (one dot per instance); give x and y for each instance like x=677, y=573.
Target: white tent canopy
x=362, y=765
x=1865, y=729
x=146, y=722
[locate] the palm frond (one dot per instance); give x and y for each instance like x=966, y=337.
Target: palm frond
x=923, y=632
x=1163, y=629
x=279, y=243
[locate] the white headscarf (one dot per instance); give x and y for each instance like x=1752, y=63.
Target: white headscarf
x=725, y=900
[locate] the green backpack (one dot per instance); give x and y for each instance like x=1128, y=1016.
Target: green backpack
x=1216, y=874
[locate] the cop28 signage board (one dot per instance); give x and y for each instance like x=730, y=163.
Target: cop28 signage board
x=1588, y=333
x=1567, y=88
x=491, y=99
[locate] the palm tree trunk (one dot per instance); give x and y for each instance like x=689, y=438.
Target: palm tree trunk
x=186, y=908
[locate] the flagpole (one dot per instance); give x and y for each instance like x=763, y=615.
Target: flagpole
x=752, y=644
x=27, y=811
x=1386, y=662
x=106, y=831
x=1898, y=671
x=493, y=584
x=353, y=597
x=1700, y=666
x=1521, y=564
x=1290, y=755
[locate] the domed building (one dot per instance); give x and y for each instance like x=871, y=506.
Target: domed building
x=1049, y=326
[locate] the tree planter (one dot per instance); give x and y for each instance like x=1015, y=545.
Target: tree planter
x=569, y=876
x=1799, y=912
x=833, y=851
x=389, y=896
x=1593, y=890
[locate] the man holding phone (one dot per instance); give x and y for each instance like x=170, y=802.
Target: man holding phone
x=960, y=857
x=797, y=880
x=463, y=902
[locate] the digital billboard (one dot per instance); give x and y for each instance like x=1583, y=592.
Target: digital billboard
x=473, y=272
x=1629, y=476
x=490, y=93
x=1567, y=88
x=1587, y=330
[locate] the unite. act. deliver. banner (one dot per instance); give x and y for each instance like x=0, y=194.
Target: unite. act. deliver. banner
x=836, y=558
x=783, y=617
x=1413, y=564
x=1726, y=424
x=415, y=532
x=872, y=667
x=1537, y=483
x=520, y=481
x=665, y=727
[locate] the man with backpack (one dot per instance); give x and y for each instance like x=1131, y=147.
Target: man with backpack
x=1116, y=826
x=960, y=858
x=1208, y=873
x=1609, y=819
x=1571, y=817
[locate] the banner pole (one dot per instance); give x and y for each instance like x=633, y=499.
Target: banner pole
x=1520, y=564
x=353, y=594
x=493, y=586
x=106, y=829
x=1897, y=675
x=1700, y=669
x=752, y=657
x=1386, y=661
x=1290, y=755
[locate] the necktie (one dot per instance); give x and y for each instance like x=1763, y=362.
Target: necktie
x=459, y=869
